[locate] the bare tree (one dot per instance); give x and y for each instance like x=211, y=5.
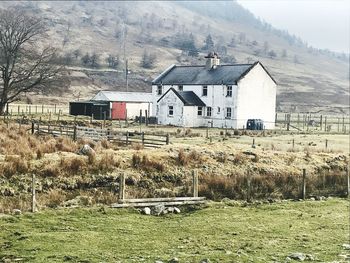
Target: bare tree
x=23, y=66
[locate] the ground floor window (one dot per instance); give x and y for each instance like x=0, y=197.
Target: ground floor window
x=219, y=110
x=228, y=113
x=200, y=111
x=171, y=110
x=208, y=111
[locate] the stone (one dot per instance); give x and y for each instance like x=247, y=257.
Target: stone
x=177, y=210
x=206, y=260
x=159, y=209
x=312, y=199
x=146, y=211
x=86, y=150
x=297, y=256
x=158, y=261
x=17, y=212
x=346, y=246
x=170, y=209
x=174, y=260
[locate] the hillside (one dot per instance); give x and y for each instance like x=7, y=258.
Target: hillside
x=309, y=79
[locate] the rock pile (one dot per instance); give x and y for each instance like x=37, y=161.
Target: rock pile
x=160, y=210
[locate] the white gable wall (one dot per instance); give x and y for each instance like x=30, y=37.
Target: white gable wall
x=256, y=98
x=170, y=99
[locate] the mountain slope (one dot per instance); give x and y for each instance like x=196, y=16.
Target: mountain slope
x=309, y=79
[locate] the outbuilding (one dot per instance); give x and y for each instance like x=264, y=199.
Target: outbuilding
x=126, y=104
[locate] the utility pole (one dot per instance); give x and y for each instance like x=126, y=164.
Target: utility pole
x=126, y=75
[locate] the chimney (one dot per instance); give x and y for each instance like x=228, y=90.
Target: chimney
x=213, y=61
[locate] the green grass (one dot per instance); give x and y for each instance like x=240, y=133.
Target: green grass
x=219, y=232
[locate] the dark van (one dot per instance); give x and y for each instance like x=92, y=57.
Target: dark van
x=255, y=124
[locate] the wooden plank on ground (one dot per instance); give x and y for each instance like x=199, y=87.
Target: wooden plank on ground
x=163, y=199
x=125, y=205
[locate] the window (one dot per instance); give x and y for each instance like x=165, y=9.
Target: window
x=159, y=90
x=228, y=113
x=208, y=111
x=205, y=91
x=200, y=111
x=219, y=110
x=229, y=91
x=181, y=88
x=171, y=110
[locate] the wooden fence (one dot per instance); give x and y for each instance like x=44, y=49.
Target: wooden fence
x=97, y=134
x=310, y=122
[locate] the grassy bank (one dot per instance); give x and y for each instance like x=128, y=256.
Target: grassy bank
x=220, y=232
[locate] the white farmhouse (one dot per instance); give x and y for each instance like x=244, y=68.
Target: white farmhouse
x=215, y=95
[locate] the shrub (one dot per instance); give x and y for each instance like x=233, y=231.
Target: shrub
x=182, y=157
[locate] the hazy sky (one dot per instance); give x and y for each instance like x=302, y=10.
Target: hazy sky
x=322, y=23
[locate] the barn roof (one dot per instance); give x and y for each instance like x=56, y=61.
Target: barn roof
x=189, y=98
x=123, y=96
x=200, y=75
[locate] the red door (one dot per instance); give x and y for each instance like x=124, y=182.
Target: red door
x=118, y=110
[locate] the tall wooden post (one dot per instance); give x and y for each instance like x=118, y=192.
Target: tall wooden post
x=293, y=143
x=321, y=122
x=121, y=188
x=127, y=138
x=249, y=187
x=195, y=183
x=325, y=123
x=348, y=179
x=32, y=127
x=146, y=117
x=344, y=129
x=326, y=143
x=33, y=194
x=304, y=185
x=143, y=138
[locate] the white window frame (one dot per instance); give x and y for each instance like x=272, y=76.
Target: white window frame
x=229, y=91
x=227, y=115
x=205, y=87
x=209, y=111
x=171, y=109
x=200, y=110
x=159, y=90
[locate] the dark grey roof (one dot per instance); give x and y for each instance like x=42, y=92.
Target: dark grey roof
x=199, y=75
x=189, y=98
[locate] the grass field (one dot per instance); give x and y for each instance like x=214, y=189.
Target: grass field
x=220, y=232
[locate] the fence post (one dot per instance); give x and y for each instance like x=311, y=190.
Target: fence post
x=321, y=122
x=348, y=180
x=146, y=117
x=42, y=108
x=33, y=194
x=304, y=185
x=143, y=138
x=75, y=133
x=326, y=143
x=248, y=187
x=253, y=145
x=293, y=143
x=325, y=123
x=55, y=108
x=195, y=183
x=121, y=187
x=32, y=127
x=167, y=139
x=127, y=138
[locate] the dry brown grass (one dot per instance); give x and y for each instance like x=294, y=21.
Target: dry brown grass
x=189, y=158
x=146, y=164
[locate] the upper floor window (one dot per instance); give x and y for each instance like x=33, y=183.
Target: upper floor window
x=229, y=91
x=181, y=88
x=228, y=113
x=171, y=110
x=200, y=111
x=208, y=111
x=159, y=90
x=205, y=91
